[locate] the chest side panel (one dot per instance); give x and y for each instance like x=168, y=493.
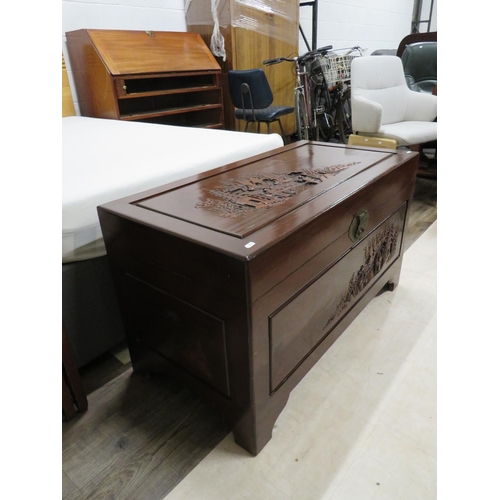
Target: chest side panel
x=184, y=303
x=182, y=332
x=147, y=250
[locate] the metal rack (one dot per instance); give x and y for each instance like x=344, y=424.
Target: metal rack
x=417, y=20
x=314, y=5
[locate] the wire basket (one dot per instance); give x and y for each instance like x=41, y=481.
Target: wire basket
x=336, y=68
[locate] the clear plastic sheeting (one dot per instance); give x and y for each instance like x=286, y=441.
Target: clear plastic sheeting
x=271, y=18
x=205, y=12
x=210, y=13
x=262, y=5
x=217, y=45
x=268, y=17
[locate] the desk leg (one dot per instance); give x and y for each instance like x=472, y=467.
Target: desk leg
x=68, y=406
x=73, y=393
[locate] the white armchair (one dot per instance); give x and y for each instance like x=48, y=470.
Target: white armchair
x=383, y=106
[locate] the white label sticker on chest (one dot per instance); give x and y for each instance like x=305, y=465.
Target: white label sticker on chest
x=250, y=244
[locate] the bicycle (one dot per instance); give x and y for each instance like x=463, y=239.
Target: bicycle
x=337, y=73
x=312, y=97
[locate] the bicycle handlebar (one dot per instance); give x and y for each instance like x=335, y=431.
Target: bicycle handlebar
x=270, y=62
x=326, y=48
x=304, y=57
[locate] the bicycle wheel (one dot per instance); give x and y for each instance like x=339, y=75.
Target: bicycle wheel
x=344, y=121
x=324, y=119
x=301, y=116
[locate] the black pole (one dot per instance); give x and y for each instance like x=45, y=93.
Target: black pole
x=305, y=39
x=315, y=25
x=314, y=5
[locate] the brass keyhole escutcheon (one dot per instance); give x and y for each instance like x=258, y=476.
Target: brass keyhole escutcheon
x=358, y=225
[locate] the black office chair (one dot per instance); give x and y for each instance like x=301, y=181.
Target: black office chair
x=252, y=97
x=420, y=66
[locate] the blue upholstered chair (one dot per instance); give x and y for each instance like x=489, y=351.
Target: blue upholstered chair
x=252, y=97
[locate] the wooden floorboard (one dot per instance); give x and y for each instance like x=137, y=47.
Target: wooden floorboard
x=140, y=437
x=102, y=370
x=137, y=440
x=423, y=211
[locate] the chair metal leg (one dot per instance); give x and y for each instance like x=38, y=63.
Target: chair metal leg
x=268, y=127
x=282, y=131
x=246, y=126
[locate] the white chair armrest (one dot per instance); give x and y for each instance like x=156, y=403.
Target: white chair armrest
x=366, y=114
x=421, y=107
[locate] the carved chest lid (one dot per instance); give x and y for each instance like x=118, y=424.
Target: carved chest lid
x=259, y=200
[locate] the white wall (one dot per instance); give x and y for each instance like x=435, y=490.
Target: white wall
x=372, y=24
x=159, y=15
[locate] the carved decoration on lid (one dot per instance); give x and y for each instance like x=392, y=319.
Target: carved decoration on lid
x=264, y=190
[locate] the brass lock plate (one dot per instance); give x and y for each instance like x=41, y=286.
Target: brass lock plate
x=358, y=225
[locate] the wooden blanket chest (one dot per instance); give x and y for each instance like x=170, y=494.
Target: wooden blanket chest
x=238, y=280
